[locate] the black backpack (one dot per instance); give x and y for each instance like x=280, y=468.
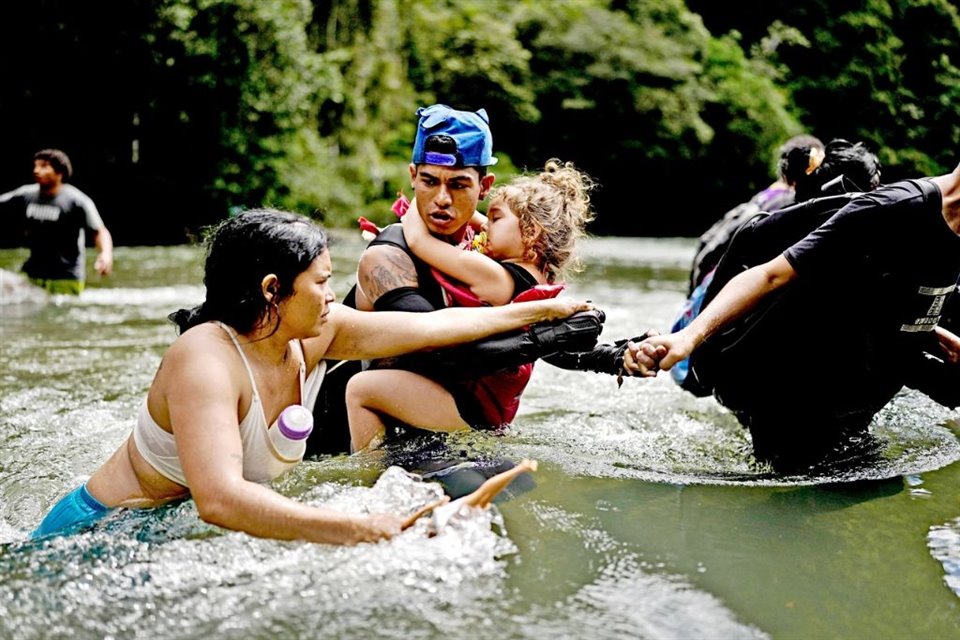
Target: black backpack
x=723, y=365
x=759, y=238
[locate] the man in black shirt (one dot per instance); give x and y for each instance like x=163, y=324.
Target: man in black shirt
x=449, y=175
x=873, y=281
x=56, y=216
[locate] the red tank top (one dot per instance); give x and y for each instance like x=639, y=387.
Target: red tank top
x=497, y=394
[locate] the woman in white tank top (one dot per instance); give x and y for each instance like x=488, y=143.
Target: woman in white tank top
x=267, y=275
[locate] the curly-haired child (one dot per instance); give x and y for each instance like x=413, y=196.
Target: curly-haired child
x=527, y=244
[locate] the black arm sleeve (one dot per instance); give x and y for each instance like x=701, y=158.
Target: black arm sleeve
x=603, y=358
x=403, y=299
x=579, y=332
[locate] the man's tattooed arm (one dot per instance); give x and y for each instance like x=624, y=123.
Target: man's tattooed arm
x=384, y=268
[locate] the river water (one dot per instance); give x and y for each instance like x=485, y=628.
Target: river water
x=647, y=518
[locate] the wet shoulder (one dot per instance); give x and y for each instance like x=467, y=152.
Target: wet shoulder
x=886, y=202
x=902, y=192
x=201, y=344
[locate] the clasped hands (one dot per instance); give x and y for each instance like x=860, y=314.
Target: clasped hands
x=656, y=353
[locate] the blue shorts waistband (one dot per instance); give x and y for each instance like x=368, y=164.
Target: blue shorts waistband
x=90, y=501
x=76, y=509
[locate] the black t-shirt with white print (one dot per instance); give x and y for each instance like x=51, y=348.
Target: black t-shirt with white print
x=886, y=262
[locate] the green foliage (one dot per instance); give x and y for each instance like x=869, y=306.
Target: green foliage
x=643, y=97
x=613, y=89
x=592, y=59
x=750, y=111
x=675, y=107
x=467, y=54
x=255, y=74
x=880, y=71
x=366, y=128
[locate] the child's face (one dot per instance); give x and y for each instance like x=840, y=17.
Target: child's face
x=504, y=240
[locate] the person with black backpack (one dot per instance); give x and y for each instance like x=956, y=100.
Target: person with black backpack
x=843, y=168
x=797, y=158
x=807, y=345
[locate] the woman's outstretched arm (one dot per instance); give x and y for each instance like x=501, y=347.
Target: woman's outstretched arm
x=361, y=335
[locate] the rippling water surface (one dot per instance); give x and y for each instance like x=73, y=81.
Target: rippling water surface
x=648, y=517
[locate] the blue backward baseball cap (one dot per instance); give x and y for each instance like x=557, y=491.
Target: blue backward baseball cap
x=469, y=130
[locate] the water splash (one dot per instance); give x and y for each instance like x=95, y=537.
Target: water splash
x=944, y=544
x=552, y=571
x=18, y=297
x=657, y=432
x=167, y=571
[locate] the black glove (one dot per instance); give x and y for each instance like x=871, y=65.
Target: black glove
x=578, y=332
x=603, y=358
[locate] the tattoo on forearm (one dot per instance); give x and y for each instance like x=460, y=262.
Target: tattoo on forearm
x=394, y=271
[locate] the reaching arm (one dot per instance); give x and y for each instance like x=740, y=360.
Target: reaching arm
x=937, y=374
x=10, y=195
x=949, y=344
x=603, y=358
x=485, y=277
x=739, y=296
x=104, y=244
x=358, y=335
x=573, y=340
x=202, y=406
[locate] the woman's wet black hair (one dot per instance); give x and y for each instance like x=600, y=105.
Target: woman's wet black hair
x=241, y=252
x=794, y=157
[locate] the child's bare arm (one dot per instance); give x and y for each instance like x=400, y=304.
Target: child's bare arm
x=485, y=277
x=478, y=221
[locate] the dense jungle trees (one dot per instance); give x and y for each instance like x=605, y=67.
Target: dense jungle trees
x=176, y=111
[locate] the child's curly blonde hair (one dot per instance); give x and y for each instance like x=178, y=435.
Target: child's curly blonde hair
x=553, y=208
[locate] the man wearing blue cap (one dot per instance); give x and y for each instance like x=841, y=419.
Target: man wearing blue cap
x=448, y=173
x=449, y=176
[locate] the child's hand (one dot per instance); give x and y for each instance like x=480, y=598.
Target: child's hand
x=478, y=222
x=949, y=344
x=413, y=225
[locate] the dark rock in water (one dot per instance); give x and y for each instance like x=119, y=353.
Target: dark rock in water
x=460, y=471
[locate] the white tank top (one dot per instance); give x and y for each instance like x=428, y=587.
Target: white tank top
x=260, y=463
